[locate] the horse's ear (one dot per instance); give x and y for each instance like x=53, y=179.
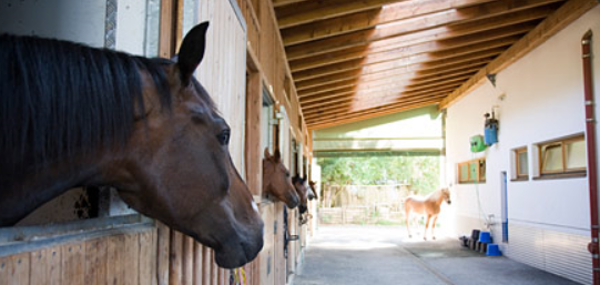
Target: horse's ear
x=191, y=52
x=277, y=155
x=267, y=154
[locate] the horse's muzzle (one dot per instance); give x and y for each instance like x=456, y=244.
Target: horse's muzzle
x=302, y=209
x=240, y=251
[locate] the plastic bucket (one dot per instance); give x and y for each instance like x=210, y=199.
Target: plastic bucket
x=493, y=250
x=485, y=237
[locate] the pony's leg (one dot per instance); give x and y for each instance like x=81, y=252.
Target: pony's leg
x=406, y=215
x=426, y=226
x=433, y=226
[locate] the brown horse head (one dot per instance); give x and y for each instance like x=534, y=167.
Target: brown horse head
x=446, y=195
x=276, y=179
x=166, y=150
x=314, y=191
x=302, y=190
x=183, y=163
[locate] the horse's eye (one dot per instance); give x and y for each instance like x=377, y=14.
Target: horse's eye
x=224, y=137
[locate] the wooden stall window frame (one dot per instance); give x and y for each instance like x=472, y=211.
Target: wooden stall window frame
x=519, y=176
x=480, y=176
x=564, y=172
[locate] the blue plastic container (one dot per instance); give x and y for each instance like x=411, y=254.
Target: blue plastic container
x=491, y=134
x=485, y=237
x=493, y=250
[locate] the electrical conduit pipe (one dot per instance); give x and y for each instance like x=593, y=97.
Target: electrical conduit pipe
x=590, y=120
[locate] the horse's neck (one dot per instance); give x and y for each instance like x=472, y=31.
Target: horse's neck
x=436, y=197
x=30, y=192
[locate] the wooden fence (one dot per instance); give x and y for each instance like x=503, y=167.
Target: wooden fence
x=363, y=204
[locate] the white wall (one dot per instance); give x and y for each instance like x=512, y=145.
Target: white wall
x=74, y=20
x=543, y=101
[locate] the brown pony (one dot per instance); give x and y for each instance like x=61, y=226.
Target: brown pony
x=276, y=180
x=429, y=205
x=74, y=116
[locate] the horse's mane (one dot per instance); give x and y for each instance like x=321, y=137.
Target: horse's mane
x=59, y=98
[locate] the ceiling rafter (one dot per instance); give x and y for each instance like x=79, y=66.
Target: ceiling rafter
x=382, y=93
x=387, y=36
x=407, y=64
x=279, y=3
x=307, y=12
x=354, y=60
x=398, y=19
x=340, y=111
x=359, y=75
x=385, y=80
x=369, y=113
x=499, y=37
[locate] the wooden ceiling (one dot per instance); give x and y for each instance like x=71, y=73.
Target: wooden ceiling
x=352, y=60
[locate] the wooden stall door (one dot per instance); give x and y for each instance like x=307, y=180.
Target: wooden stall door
x=222, y=73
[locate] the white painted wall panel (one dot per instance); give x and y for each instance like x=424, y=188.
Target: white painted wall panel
x=73, y=20
x=543, y=101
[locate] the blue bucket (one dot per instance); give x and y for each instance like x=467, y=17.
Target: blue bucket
x=493, y=250
x=485, y=237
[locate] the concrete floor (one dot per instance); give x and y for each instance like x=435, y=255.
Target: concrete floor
x=384, y=255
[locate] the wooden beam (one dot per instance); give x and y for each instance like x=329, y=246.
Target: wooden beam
x=355, y=74
x=307, y=12
x=478, y=41
x=383, y=90
x=345, y=108
x=350, y=109
x=387, y=36
x=366, y=114
x=168, y=28
x=279, y=3
x=379, y=97
x=406, y=78
x=409, y=64
x=404, y=18
x=565, y=15
x=493, y=47
x=333, y=123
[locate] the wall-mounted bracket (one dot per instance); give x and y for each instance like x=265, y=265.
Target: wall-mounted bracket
x=492, y=79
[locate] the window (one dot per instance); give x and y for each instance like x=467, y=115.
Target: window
x=563, y=157
x=472, y=171
x=520, y=164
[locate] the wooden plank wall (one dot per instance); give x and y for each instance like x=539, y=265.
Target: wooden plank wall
x=125, y=258
x=267, y=57
x=265, y=42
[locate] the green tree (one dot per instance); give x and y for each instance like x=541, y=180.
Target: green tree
x=421, y=172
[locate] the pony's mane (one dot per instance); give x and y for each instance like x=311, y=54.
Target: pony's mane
x=60, y=98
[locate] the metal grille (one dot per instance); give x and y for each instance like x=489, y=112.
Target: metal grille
x=110, y=24
x=561, y=253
